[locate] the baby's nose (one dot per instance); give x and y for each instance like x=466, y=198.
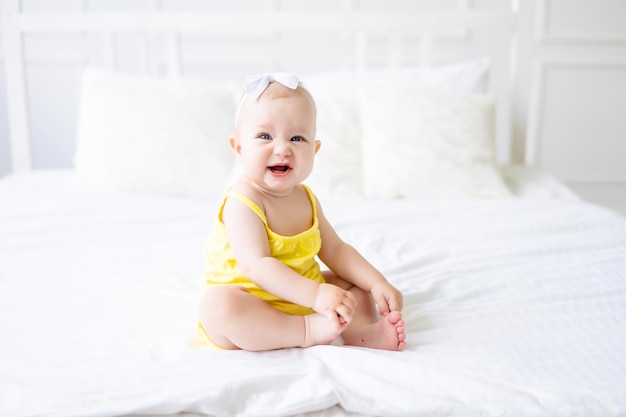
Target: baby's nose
x=282, y=148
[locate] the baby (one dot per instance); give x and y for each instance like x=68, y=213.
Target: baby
x=265, y=289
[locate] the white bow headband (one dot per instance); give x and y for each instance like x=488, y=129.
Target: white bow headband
x=256, y=84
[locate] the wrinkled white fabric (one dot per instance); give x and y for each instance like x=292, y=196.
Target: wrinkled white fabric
x=512, y=307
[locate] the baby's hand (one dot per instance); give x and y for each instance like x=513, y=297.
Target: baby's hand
x=387, y=297
x=336, y=304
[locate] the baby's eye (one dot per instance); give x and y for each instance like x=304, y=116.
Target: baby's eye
x=297, y=139
x=264, y=136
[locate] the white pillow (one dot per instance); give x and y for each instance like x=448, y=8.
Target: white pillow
x=153, y=135
x=469, y=76
x=428, y=144
x=338, y=171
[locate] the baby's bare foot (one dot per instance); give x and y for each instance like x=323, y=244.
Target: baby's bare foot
x=388, y=334
x=320, y=331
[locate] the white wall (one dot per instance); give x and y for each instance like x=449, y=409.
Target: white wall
x=569, y=91
x=572, y=92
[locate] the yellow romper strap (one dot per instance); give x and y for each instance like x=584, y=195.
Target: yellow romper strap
x=245, y=200
x=254, y=206
x=312, y=198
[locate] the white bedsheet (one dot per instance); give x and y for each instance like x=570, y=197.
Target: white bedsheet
x=512, y=307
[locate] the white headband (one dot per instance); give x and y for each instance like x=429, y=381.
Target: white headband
x=256, y=84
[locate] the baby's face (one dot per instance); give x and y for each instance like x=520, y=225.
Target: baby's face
x=275, y=138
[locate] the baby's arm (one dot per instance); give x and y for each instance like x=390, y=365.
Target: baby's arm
x=350, y=265
x=248, y=239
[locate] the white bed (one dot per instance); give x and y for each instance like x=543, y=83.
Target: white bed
x=515, y=289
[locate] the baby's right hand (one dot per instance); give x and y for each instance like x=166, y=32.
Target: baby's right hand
x=337, y=304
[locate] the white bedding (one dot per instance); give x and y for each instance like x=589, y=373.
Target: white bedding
x=513, y=307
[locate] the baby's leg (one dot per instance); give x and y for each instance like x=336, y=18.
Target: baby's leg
x=235, y=319
x=367, y=329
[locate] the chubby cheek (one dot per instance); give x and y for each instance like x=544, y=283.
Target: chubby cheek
x=253, y=162
x=307, y=167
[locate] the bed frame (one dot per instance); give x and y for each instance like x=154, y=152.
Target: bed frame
x=359, y=38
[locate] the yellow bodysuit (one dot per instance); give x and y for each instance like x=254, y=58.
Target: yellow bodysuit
x=297, y=252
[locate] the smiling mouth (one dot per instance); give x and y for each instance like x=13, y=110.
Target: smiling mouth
x=279, y=169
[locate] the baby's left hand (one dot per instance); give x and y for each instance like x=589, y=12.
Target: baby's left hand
x=387, y=297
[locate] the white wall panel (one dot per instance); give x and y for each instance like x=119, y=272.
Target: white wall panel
x=584, y=129
x=5, y=147
x=48, y=5
x=598, y=20
x=6, y=166
x=576, y=125
x=422, y=5
x=219, y=5
x=53, y=109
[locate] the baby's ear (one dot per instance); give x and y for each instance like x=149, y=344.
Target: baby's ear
x=234, y=144
x=317, y=145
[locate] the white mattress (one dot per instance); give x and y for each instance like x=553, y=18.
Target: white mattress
x=513, y=307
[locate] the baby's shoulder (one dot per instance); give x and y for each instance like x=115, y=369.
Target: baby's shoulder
x=243, y=192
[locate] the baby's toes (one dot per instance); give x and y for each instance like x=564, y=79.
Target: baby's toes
x=395, y=317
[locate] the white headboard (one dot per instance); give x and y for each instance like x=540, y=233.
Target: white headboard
x=240, y=43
